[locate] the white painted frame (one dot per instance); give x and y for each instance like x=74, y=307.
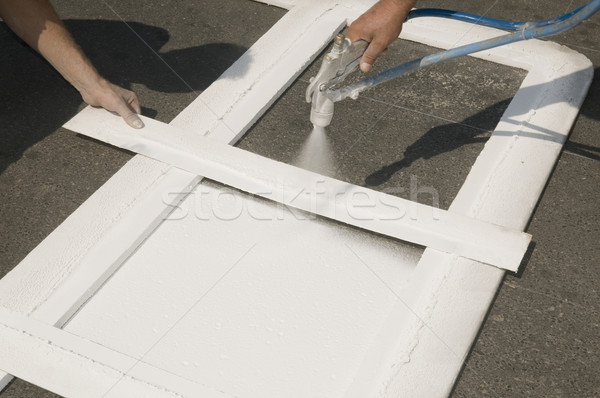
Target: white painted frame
x=260, y=176
x=526, y=142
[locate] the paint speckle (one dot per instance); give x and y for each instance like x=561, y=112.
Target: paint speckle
x=498, y=318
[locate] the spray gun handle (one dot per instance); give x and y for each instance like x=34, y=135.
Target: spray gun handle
x=328, y=68
x=351, y=56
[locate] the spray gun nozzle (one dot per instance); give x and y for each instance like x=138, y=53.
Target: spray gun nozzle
x=321, y=111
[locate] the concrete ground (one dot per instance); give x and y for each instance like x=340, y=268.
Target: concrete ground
x=541, y=336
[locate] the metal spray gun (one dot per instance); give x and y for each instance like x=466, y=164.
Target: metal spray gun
x=337, y=64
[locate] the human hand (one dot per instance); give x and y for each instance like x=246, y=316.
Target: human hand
x=115, y=99
x=379, y=26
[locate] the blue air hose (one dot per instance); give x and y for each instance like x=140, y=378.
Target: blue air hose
x=523, y=31
x=492, y=23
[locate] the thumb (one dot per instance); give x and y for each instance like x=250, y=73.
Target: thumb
x=127, y=113
x=368, y=59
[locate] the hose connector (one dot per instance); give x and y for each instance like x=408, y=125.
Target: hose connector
x=321, y=110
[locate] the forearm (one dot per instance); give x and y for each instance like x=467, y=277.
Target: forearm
x=36, y=22
x=397, y=7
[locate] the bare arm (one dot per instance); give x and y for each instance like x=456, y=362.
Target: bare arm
x=379, y=26
x=36, y=22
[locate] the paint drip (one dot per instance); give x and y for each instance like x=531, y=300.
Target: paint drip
x=316, y=154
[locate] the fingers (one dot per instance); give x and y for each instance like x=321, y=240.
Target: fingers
x=357, y=32
x=380, y=26
x=116, y=99
x=378, y=39
x=134, y=103
x=126, y=104
x=374, y=50
x=369, y=55
x=352, y=34
x=133, y=120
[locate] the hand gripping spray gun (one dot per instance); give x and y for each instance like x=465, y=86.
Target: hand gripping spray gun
x=345, y=56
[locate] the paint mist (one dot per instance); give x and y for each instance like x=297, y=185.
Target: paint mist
x=316, y=154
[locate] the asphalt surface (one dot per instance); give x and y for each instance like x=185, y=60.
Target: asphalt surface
x=541, y=336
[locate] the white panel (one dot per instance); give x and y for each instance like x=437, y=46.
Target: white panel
x=248, y=297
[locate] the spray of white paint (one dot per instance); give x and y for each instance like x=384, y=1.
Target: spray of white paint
x=316, y=154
